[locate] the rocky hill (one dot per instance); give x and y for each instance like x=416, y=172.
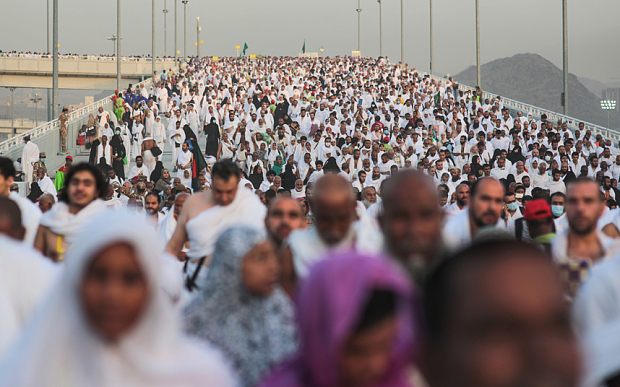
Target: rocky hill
x=532, y=79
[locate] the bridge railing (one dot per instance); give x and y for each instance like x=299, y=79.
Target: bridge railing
x=78, y=114
x=124, y=58
x=537, y=112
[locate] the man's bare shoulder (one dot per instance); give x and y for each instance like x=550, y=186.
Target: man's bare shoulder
x=197, y=203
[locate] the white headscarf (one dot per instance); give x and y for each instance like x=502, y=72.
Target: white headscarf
x=59, y=348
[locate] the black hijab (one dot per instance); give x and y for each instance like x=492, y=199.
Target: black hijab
x=35, y=192
x=256, y=178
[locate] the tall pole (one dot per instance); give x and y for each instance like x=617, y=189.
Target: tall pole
x=402, y=35
x=359, y=23
x=165, y=29
x=118, y=44
x=12, y=119
x=565, y=55
x=55, y=60
x=175, y=32
x=478, y=64
x=198, y=37
x=153, y=42
x=380, y=30
x=431, y=25
x=49, y=91
x=185, y=29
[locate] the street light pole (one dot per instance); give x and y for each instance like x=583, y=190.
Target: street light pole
x=113, y=39
x=380, y=30
x=153, y=42
x=49, y=91
x=175, y=33
x=118, y=44
x=184, y=28
x=359, y=22
x=198, y=37
x=402, y=35
x=479, y=82
x=165, y=29
x=565, y=55
x=431, y=26
x=12, y=118
x=36, y=101
x=55, y=60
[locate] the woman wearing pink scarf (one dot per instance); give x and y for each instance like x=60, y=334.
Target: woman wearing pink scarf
x=356, y=321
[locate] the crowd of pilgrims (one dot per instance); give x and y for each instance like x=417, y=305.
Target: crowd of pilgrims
x=348, y=222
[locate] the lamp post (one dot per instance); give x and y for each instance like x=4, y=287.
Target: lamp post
x=198, y=37
x=175, y=34
x=431, y=36
x=565, y=56
x=165, y=11
x=118, y=44
x=380, y=30
x=402, y=35
x=608, y=105
x=185, y=28
x=49, y=91
x=113, y=39
x=478, y=44
x=36, y=101
x=322, y=49
x=55, y=59
x=12, y=118
x=153, y=42
x=359, y=22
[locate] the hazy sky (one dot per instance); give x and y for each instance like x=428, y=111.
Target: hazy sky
x=279, y=27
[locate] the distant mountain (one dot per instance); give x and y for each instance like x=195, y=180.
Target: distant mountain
x=532, y=79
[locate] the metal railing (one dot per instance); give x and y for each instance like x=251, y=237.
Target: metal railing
x=77, y=114
x=537, y=112
x=85, y=57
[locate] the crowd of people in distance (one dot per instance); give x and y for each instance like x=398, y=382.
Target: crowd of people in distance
x=321, y=222
x=34, y=54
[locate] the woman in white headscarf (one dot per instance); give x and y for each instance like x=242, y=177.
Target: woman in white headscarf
x=109, y=321
x=240, y=309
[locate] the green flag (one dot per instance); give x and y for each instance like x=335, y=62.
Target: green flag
x=245, y=47
x=437, y=98
x=303, y=49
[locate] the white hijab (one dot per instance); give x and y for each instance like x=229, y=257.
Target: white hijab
x=59, y=348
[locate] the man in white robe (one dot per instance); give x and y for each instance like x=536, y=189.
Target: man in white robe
x=45, y=183
x=138, y=169
x=104, y=150
x=176, y=138
x=30, y=155
x=184, y=161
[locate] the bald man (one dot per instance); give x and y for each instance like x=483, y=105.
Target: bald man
x=46, y=201
x=333, y=205
x=11, y=219
x=283, y=217
x=486, y=201
x=411, y=221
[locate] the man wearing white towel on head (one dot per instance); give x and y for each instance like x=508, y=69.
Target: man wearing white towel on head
x=184, y=161
x=206, y=215
x=30, y=154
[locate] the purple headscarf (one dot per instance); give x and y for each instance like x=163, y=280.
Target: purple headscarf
x=330, y=303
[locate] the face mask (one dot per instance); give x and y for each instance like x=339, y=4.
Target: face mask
x=118, y=132
x=43, y=160
x=386, y=132
x=548, y=158
x=557, y=210
x=512, y=206
x=519, y=196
